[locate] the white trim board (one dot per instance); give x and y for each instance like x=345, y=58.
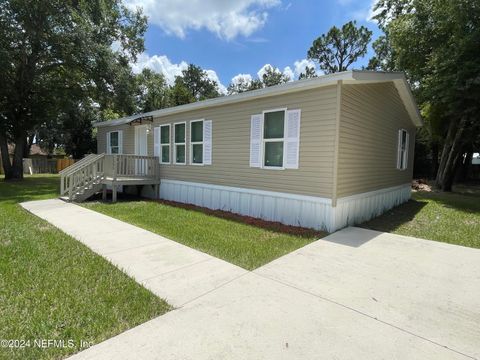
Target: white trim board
x=291, y=209
x=350, y=77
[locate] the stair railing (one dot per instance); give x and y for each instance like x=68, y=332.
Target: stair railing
x=89, y=172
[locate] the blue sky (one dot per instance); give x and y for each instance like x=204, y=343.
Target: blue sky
x=231, y=37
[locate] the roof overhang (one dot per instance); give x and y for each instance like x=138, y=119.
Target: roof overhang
x=348, y=77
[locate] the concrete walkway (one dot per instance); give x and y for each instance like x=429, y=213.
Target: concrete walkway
x=172, y=271
x=356, y=294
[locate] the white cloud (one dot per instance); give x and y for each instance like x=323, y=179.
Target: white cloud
x=227, y=19
x=212, y=75
x=242, y=79
x=289, y=72
x=301, y=65
x=162, y=64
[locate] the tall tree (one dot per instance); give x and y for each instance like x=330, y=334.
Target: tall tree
x=153, y=91
x=56, y=50
x=197, y=82
x=336, y=50
x=308, y=73
x=436, y=43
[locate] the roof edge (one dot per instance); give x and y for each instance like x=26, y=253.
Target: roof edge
x=325, y=80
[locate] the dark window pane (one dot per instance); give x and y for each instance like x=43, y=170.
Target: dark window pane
x=197, y=154
x=197, y=131
x=180, y=154
x=273, y=125
x=180, y=133
x=114, y=139
x=274, y=153
x=166, y=153
x=114, y=149
x=165, y=135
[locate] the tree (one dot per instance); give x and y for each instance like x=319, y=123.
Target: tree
x=55, y=50
x=436, y=44
x=308, y=73
x=271, y=77
x=197, y=82
x=180, y=94
x=153, y=91
x=340, y=48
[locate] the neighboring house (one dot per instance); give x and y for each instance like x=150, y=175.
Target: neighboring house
x=320, y=153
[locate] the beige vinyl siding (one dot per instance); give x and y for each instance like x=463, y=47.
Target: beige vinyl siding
x=370, y=117
x=231, y=145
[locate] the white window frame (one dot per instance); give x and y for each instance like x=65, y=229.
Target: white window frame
x=175, y=144
x=195, y=143
x=402, y=154
x=169, y=144
x=109, y=150
x=263, y=166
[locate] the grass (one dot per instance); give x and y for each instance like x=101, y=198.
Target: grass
x=53, y=287
x=232, y=240
x=452, y=218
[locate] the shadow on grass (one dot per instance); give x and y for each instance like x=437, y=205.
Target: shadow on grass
x=30, y=188
x=395, y=217
x=461, y=201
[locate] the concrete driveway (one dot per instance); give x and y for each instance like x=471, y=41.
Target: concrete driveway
x=356, y=294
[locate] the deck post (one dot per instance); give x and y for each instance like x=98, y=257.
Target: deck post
x=114, y=192
x=104, y=192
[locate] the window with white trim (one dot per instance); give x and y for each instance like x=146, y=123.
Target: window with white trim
x=273, y=138
x=402, y=153
x=165, y=144
x=113, y=140
x=196, y=142
x=179, y=143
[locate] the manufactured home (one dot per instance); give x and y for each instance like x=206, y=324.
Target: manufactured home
x=321, y=153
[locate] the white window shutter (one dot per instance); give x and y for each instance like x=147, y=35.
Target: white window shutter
x=109, y=149
x=207, y=142
x=399, y=150
x=292, y=139
x=156, y=142
x=405, y=163
x=256, y=140
x=120, y=141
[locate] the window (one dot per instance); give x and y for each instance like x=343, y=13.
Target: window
x=180, y=144
x=402, y=158
x=273, y=138
x=165, y=144
x=113, y=142
x=196, y=141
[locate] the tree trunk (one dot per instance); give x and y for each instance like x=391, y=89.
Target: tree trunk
x=450, y=155
x=7, y=165
x=14, y=170
x=434, y=168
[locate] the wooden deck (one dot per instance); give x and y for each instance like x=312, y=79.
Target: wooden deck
x=95, y=172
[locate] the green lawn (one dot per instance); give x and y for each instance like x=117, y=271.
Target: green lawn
x=447, y=217
x=53, y=287
x=242, y=244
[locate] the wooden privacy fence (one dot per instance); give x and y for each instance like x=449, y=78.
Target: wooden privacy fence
x=45, y=166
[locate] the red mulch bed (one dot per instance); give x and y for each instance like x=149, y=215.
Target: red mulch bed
x=264, y=224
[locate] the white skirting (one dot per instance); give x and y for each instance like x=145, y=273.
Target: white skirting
x=355, y=209
x=290, y=209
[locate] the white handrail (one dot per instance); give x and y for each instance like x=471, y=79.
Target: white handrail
x=77, y=164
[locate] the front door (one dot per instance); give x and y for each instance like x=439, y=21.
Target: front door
x=141, y=148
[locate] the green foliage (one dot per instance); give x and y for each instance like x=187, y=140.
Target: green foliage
x=272, y=76
x=57, y=53
x=436, y=44
x=54, y=287
x=153, y=91
x=308, y=73
x=197, y=83
x=340, y=48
